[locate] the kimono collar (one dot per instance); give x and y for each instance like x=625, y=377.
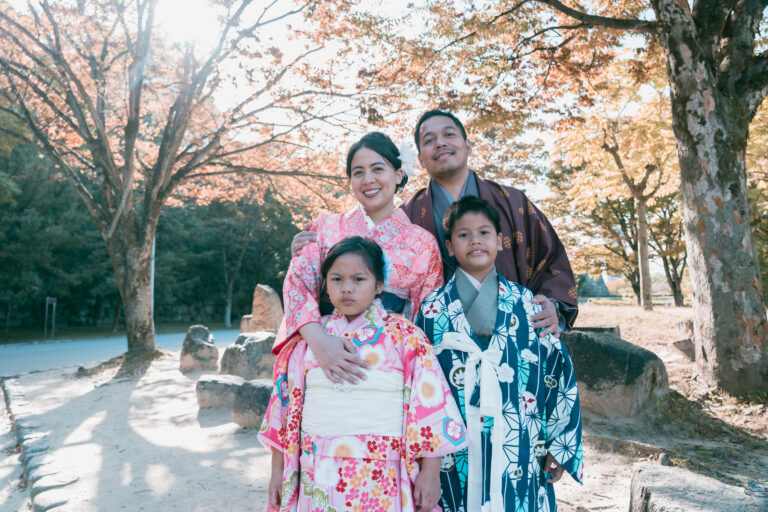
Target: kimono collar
x=396, y=222
x=338, y=325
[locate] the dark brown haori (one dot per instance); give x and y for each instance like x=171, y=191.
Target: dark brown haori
x=532, y=254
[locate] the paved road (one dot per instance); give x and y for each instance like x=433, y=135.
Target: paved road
x=26, y=357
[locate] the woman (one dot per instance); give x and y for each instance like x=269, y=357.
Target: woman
x=414, y=268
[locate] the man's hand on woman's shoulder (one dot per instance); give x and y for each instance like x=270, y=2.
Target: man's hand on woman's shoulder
x=300, y=240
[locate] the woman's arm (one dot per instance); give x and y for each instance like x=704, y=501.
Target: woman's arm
x=433, y=278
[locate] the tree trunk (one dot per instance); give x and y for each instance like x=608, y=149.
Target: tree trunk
x=131, y=262
x=634, y=282
x=646, y=296
x=116, y=315
x=228, y=313
x=730, y=328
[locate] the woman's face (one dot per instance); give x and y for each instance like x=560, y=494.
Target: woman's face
x=351, y=285
x=373, y=181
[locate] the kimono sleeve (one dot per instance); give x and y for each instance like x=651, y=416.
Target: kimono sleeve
x=272, y=430
x=563, y=412
x=433, y=278
x=279, y=428
x=433, y=426
x=301, y=291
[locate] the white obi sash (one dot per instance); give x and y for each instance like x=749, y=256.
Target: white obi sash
x=373, y=406
x=490, y=405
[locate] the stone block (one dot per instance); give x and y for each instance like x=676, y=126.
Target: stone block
x=686, y=348
x=685, y=329
x=250, y=357
x=198, y=351
x=217, y=390
x=615, y=378
x=658, y=488
x=245, y=323
x=251, y=401
x=266, y=310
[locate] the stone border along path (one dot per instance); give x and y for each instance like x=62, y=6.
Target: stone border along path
x=33, y=450
x=14, y=494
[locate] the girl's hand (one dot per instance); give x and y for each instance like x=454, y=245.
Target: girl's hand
x=276, y=480
x=426, y=489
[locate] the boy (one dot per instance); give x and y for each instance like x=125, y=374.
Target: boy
x=521, y=405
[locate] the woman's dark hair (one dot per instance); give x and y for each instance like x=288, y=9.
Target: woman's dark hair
x=432, y=113
x=372, y=255
x=383, y=145
x=469, y=204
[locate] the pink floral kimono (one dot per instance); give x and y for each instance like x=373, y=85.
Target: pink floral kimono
x=355, y=447
x=412, y=257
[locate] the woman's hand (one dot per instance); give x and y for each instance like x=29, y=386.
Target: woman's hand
x=300, y=240
x=276, y=480
x=426, y=489
x=337, y=357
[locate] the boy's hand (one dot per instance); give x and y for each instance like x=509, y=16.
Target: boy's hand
x=426, y=489
x=546, y=319
x=552, y=467
x=300, y=240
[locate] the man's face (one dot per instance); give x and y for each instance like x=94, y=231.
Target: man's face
x=443, y=151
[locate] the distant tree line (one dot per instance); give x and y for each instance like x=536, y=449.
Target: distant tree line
x=208, y=257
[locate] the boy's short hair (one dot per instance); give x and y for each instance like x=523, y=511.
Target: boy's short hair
x=469, y=204
x=433, y=113
x=372, y=255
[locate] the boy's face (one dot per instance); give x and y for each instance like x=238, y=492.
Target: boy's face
x=474, y=242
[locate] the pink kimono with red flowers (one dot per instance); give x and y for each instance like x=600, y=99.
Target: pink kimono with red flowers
x=355, y=447
x=412, y=265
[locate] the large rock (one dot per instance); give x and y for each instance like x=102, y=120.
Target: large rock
x=251, y=401
x=610, y=329
x=266, y=311
x=616, y=378
x=198, y=351
x=658, y=488
x=685, y=329
x=250, y=357
x=217, y=390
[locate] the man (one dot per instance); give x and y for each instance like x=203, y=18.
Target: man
x=532, y=254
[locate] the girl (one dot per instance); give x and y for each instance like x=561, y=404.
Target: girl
x=375, y=446
x=375, y=173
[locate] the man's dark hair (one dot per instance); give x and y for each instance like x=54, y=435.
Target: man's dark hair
x=372, y=255
x=383, y=145
x=432, y=113
x=469, y=204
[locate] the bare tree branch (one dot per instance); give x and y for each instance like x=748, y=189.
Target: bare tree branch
x=641, y=26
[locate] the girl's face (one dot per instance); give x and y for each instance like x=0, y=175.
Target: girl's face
x=351, y=285
x=373, y=181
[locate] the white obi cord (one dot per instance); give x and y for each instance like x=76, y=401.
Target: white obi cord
x=373, y=406
x=490, y=405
